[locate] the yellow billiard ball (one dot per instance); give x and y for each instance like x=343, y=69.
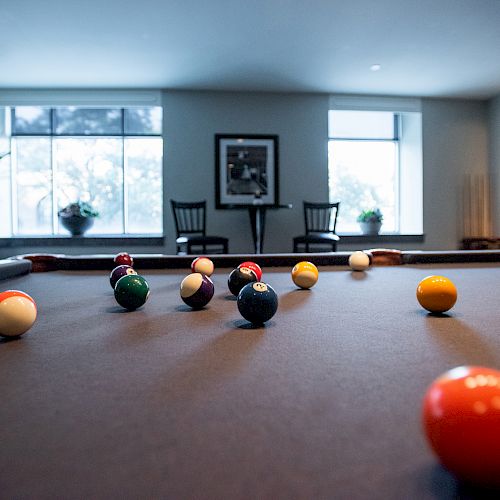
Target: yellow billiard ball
x=305, y=274
x=437, y=294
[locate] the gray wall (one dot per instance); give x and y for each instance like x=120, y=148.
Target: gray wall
x=455, y=141
x=494, y=152
x=455, y=138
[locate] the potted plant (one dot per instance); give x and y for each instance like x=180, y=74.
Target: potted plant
x=77, y=217
x=370, y=221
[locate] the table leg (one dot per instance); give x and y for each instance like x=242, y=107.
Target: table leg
x=257, y=220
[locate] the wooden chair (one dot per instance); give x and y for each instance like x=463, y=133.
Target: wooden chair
x=321, y=222
x=190, y=223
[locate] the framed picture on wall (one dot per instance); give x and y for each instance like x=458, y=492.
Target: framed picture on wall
x=246, y=170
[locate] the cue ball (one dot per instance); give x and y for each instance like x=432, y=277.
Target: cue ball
x=240, y=277
x=197, y=290
x=254, y=267
x=461, y=419
x=305, y=274
x=257, y=302
x=437, y=294
x=131, y=291
x=118, y=272
x=17, y=313
x=359, y=261
x=123, y=258
x=202, y=265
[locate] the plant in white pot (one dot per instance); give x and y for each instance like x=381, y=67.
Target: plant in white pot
x=77, y=217
x=370, y=221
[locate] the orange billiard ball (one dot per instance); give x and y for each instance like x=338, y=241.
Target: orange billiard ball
x=437, y=294
x=305, y=274
x=461, y=418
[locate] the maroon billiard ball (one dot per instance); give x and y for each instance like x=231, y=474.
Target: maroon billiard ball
x=240, y=277
x=123, y=258
x=254, y=267
x=197, y=290
x=118, y=272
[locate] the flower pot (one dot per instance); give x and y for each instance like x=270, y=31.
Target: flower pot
x=76, y=224
x=370, y=228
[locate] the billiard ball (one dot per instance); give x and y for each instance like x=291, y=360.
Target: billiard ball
x=238, y=278
x=202, y=265
x=197, y=290
x=305, y=274
x=254, y=267
x=257, y=302
x=461, y=419
x=118, y=272
x=131, y=291
x=123, y=258
x=437, y=294
x=359, y=261
x=17, y=313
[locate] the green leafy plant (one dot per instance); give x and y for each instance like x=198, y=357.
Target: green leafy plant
x=373, y=215
x=78, y=208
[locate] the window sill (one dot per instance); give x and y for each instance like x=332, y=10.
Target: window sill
x=381, y=238
x=83, y=241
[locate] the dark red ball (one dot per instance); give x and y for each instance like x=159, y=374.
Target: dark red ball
x=123, y=258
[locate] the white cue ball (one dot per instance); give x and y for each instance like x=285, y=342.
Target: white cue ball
x=359, y=261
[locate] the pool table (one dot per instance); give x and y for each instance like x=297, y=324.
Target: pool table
x=324, y=401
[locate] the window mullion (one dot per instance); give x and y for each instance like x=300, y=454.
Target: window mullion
x=13, y=190
x=125, y=188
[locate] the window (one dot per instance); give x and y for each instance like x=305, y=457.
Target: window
x=375, y=161
x=110, y=157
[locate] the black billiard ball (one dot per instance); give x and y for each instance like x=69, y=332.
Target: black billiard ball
x=131, y=291
x=239, y=278
x=197, y=290
x=123, y=258
x=118, y=272
x=257, y=302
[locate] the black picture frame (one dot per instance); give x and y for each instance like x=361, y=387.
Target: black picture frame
x=246, y=170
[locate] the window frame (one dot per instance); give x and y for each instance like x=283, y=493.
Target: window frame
x=395, y=139
x=52, y=136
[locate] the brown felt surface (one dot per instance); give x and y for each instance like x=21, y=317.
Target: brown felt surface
x=164, y=402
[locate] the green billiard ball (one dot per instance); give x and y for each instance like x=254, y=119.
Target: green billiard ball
x=131, y=291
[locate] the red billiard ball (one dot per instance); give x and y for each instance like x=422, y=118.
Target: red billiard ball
x=461, y=417
x=197, y=290
x=17, y=313
x=123, y=258
x=118, y=272
x=202, y=265
x=254, y=267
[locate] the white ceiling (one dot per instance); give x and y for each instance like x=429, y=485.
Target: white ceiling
x=446, y=48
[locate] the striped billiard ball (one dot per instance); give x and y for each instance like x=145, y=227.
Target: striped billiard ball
x=17, y=313
x=197, y=290
x=202, y=265
x=254, y=267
